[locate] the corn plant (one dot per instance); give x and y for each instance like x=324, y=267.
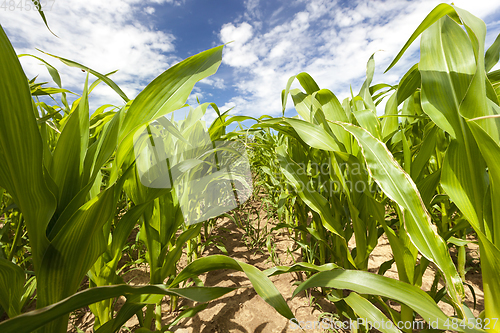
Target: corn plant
x=66, y=174
x=429, y=160
x=460, y=100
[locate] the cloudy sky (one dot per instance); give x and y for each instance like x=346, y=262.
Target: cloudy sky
x=273, y=40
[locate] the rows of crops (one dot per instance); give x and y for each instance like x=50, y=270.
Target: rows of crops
x=79, y=203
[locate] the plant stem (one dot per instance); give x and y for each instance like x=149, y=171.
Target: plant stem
x=16, y=238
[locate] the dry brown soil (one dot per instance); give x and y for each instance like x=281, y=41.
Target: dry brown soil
x=244, y=311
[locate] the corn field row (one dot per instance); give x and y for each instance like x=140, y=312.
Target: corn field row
x=83, y=191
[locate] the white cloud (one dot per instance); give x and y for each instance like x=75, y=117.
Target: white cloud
x=194, y=97
x=280, y=49
x=209, y=116
x=215, y=82
x=170, y=2
x=149, y=10
x=104, y=36
x=239, y=34
x=330, y=41
x=252, y=8
x=238, y=53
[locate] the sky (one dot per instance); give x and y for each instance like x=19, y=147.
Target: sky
x=271, y=41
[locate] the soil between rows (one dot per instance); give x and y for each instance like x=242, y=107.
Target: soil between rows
x=244, y=311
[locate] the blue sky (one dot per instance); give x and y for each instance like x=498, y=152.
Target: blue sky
x=273, y=40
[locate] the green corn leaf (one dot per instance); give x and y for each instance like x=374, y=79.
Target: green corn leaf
x=398, y=186
x=369, y=121
x=285, y=92
x=374, y=284
x=74, y=249
x=333, y=111
x=492, y=55
x=52, y=70
x=427, y=187
x=67, y=164
x=313, y=199
x=165, y=94
x=390, y=124
x=48, y=91
x=370, y=313
x=105, y=146
x=175, y=253
x=438, y=12
x=38, y=6
x=12, y=280
x=464, y=96
x=127, y=311
x=21, y=151
x=104, y=78
x=427, y=148
x=261, y=283
x=408, y=84
x=446, y=75
x=299, y=267
x=188, y=313
x=490, y=150
x=313, y=135
x=29, y=321
x=307, y=82
x=364, y=92
x=304, y=104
